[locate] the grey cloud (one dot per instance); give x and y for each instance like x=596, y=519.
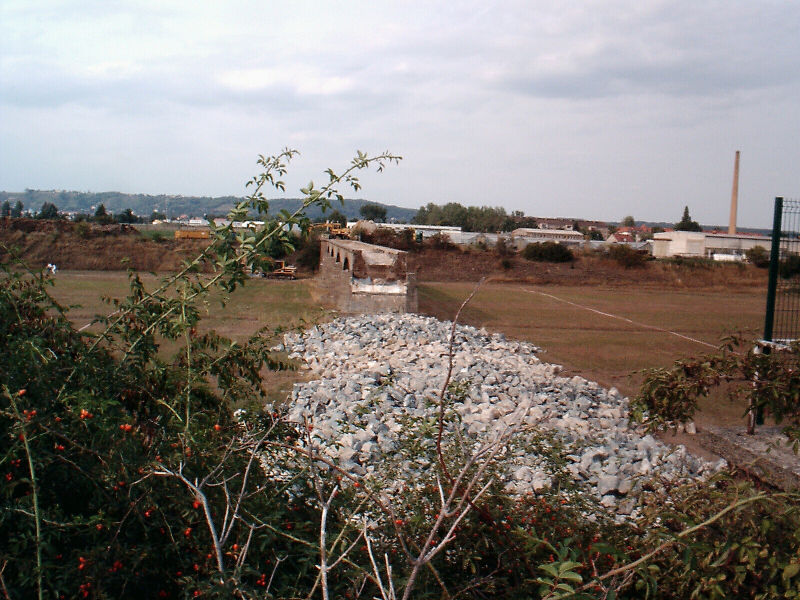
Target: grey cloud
x=41, y=85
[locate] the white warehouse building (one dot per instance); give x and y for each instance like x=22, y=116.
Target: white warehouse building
x=719, y=246
x=523, y=236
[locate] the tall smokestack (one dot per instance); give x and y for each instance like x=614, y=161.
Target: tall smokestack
x=734, y=196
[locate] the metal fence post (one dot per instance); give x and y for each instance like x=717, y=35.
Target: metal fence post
x=772, y=286
x=774, y=259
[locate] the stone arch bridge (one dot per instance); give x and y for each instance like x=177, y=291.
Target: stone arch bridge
x=361, y=277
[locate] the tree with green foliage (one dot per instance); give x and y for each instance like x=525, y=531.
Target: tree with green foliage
x=16, y=212
x=373, y=212
x=48, y=211
x=473, y=218
x=5, y=209
x=339, y=218
x=157, y=216
x=101, y=216
x=126, y=216
x=628, y=221
x=686, y=223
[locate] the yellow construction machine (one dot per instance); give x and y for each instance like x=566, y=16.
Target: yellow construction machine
x=283, y=271
x=333, y=230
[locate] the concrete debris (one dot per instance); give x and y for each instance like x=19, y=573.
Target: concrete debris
x=374, y=407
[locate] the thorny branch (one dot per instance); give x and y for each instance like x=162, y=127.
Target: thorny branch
x=450, y=355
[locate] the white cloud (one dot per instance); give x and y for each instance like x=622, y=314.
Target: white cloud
x=302, y=80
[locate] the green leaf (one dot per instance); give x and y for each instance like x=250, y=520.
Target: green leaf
x=572, y=576
x=549, y=569
x=568, y=566
x=791, y=570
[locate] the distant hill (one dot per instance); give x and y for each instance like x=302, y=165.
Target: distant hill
x=144, y=204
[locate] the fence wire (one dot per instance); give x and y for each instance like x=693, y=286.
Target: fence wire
x=783, y=325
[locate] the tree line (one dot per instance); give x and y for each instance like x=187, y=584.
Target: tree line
x=50, y=211
x=485, y=219
x=470, y=218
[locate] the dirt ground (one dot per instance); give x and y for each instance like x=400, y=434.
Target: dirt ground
x=611, y=334
x=549, y=305
x=588, y=269
x=86, y=246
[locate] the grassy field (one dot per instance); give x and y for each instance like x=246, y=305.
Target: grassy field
x=600, y=347
x=604, y=348
x=260, y=303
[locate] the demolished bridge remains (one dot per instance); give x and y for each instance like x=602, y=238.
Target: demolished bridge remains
x=365, y=278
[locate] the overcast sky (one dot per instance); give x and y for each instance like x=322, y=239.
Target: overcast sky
x=596, y=109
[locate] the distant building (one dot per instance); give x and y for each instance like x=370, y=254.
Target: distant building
x=719, y=246
x=426, y=230
x=630, y=234
x=549, y=223
x=621, y=237
x=523, y=236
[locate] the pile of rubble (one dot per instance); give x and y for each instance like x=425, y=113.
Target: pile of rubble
x=375, y=400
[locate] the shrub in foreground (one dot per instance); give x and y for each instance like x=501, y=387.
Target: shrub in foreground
x=128, y=475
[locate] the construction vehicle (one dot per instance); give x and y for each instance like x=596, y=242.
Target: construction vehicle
x=283, y=271
x=333, y=230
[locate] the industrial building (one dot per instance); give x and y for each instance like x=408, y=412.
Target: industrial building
x=719, y=246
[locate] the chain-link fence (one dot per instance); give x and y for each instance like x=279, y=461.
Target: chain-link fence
x=782, y=321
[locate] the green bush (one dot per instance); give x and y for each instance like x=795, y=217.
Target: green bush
x=627, y=256
x=157, y=235
x=759, y=256
x=81, y=229
x=789, y=266
x=308, y=256
x=692, y=262
x=439, y=241
x=399, y=240
x=547, y=252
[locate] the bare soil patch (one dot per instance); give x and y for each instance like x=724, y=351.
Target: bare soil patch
x=88, y=246
x=588, y=269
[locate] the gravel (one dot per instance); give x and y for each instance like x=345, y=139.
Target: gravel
x=373, y=408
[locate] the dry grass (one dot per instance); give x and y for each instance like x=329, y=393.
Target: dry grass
x=601, y=348
x=261, y=303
